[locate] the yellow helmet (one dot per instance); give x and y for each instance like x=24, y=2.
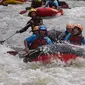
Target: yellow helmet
x=38, y=0
x=36, y=28
x=31, y=10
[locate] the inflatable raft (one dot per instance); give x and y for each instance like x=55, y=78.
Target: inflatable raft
x=47, y=11
x=59, y=51
x=11, y=2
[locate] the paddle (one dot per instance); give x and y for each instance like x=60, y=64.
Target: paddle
x=24, y=11
x=20, y=51
x=33, y=54
x=1, y=42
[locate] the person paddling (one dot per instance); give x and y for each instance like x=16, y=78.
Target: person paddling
x=34, y=21
x=36, y=40
x=75, y=37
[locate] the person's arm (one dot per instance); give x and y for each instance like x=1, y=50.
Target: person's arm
x=26, y=46
x=56, y=3
x=67, y=37
x=25, y=28
x=30, y=39
x=48, y=40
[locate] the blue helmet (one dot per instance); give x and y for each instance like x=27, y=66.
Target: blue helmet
x=42, y=27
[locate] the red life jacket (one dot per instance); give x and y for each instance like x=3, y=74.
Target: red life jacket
x=77, y=40
x=38, y=42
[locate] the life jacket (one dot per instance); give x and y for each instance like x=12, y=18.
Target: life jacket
x=38, y=42
x=77, y=40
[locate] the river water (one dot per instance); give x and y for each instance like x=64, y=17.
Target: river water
x=12, y=69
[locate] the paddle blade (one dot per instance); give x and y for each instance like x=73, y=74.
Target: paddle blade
x=1, y=42
x=23, y=12
x=12, y=52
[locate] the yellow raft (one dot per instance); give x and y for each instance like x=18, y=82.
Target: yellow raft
x=12, y=2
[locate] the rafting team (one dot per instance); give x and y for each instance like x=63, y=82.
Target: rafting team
x=41, y=36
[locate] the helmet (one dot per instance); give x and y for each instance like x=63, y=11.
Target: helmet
x=36, y=28
x=70, y=26
x=42, y=27
x=38, y=0
x=80, y=26
x=31, y=10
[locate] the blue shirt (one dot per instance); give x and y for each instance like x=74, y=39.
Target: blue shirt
x=33, y=37
x=48, y=3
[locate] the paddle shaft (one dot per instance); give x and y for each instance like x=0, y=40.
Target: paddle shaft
x=7, y=38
